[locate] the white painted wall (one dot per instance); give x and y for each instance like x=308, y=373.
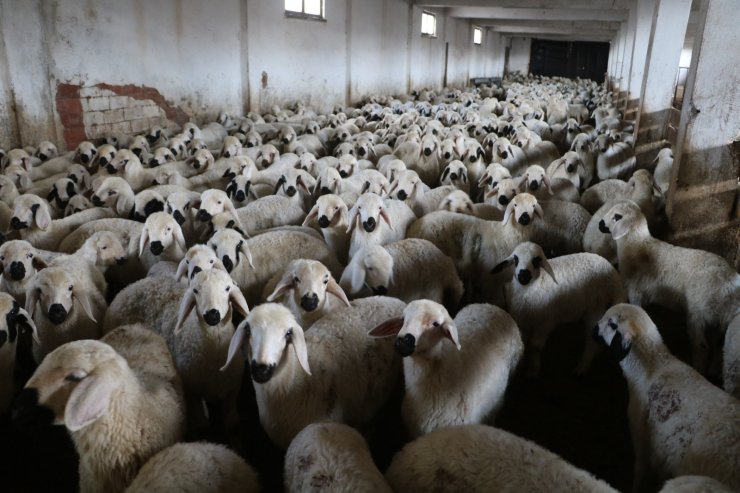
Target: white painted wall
x=519, y=54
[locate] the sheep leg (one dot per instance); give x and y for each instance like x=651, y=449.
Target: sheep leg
x=699, y=344
x=590, y=347
x=639, y=445
x=537, y=342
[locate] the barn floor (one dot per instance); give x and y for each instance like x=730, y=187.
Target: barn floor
x=583, y=419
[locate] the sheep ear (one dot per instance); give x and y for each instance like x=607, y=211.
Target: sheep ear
x=286, y=284
x=546, y=181
x=84, y=300
x=351, y=278
x=38, y=263
x=24, y=318
x=394, y=185
x=538, y=211
x=186, y=305
x=548, y=268
x=620, y=228
x=299, y=346
x=312, y=214
x=237, y=298
x=242, y=332
x=353, y=216
x=502, y=265
x=27, y=165
x=182, y=269
x=179, y=238
x=31, y=299
x=143, y=240
x=232, y=210
x=450, y=332
x=89, y=401
x=244, y=249
x=25, y=181
x=390, y=327
x=509, y=211
x=337, y=291
x=386, y=217
x=41, y=216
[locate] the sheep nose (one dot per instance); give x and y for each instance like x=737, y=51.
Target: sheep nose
x=380, y=291
x=97, y=202
x=369, y=225
x=111, y=169
x=524, y=219
x=212, y=317
x=196, y=269
x=310, y=302
x=290, y=191
x=447, y=155
x=121, y=260
x=42, y=156
x=570, y=169
x=473, y=158
x=227, y=154
x=228, y=264
x=323, y=222
x=203, y=215
x=361, y=151
x=103, y=161
x=196, y=164
x=427, y=152
x=603, y=228
x=534, y=185
x=325, y=191
x=178, y=217
x=241, y=196
x=57, y=313
x=524, y=276
x=503, y=200
x=137, y=151
x=153, y=163
x=18, y=224
x=343, y=174
x=27, y=412
x=453, y=176
x=17, y=271
x=85, y=158
x=504, y=154
x=156, y=247
x=261, y=372
x=405, y=345
x=402, y=195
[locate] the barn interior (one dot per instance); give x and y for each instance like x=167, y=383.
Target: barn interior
x=650, y=85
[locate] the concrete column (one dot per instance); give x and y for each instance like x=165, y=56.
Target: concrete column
x=664, y=52
x=628, y=54
x=702, y=201
x=643, y=28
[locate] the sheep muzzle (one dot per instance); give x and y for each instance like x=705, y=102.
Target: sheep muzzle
x=405, y=345
x=261, y=372
x=369, y=225
x=17, y=224
x=27, y=412
x=309, y=302
x=17, y=271
x=57, y=313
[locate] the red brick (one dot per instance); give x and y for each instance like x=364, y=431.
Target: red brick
x=66, y=106
x=73, y=136
x=67, y=91
x=71, y=119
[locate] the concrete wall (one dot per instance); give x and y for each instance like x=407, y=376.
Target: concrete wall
x=72, y=69
x=519, y=54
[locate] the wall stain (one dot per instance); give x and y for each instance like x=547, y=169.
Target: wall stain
x=264, y=80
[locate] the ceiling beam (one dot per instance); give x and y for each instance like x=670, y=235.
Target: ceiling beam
x=534, y=31
x=564, y=14
x=530, y=4
x=572, y=25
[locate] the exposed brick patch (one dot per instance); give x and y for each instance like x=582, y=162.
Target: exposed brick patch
x=69, y=107
x=141, y=92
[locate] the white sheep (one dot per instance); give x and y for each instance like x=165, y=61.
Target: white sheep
x=731, y=358
x=663, y=167
x=680, y=423
x=332, y=456
x=460, y=202
x=700, y=283
x=19, y=261
x=408, y=188
x=578, y=287
x=402, y=270
x=482, y=458
x=331, y=214
x=120, y=398
x=455, y=371
x=585, y=149
x=212, y=134
x=456, y=174
x=350, y=375
x=13, y=320
x=195, y=467
x=305, y=287
x=694, y=484
x=614, y=159
x=366, y=227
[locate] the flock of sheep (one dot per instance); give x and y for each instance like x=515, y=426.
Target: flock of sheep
x=427, y=244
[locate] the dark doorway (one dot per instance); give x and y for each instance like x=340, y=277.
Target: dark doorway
x=572, y=59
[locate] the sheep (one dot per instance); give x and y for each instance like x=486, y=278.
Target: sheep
x=13, y=320
x=663, y=167
x=354, y=374
x=456, y=174
x=614, y=159
x=694, y=484
x=482, y=458
x=331, y=455
x=473, y=156
x=501, y=194
x=680, y=423
x=510, y=156
x=8, y=191
x=460, y=202
x=291, y=141
x=580, y=287
x=50, y=301
x=195, y=467
x=195, y=321
x=401, y=270
x=537, y=182
x=20, y=262
x=700, y=283
x=331, y=214
x=32, y=219
x=585, y=149
x=305, y=286
x=267, y=254
x=408, y=187
x=212, y=134
x=47, y=150
x=76, y=204
x=470, y=366
x=478, y=245
x=163, y=235
x=120, y=398
x=731, y=358
x=368, y=210
x=569, y=167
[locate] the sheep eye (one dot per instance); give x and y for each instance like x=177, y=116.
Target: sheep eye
x=296, y=280
x=516, y=260
x=104, y=248
x=326, y=281
x=617, y=217
x=195, y=291
x=211, y=261
x=73, y=378
x=228, y=288
x=436, y=324
x=70, y=288
x=30, y=255
x=289, y=335
x=111, y=192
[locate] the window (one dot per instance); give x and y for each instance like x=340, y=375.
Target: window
x=428, y=24
x=311, y=9
x=477, y=35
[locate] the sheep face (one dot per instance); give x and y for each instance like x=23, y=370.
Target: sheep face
x=139, y=146
x=199, y=258
x=86, y=152
x=61, y=191
x=347, y=165
x=18, y=260
x=106, y=153
x=238, y=189
x=329, y=182
x=154, y=134
x=457, y=201
x=329, y=210
x=30, y=209
x=161, y=155
x=455, y=174
x=406, y=184
x=55, y=290
x=523, y=207
x=447, y=150
x=178, y=206
x=46, y=150
x=109, y=247
x=178, y=146
x=367, y=211
x=232, y=147
x=423, y=325
x=213, y=202
x=623, y=218
x=76, y=204
x=73, y=386
x=528, y=260
x=287, y=135
x=267, y=156
x=110, y=191
x=229, y=245
x=503, y=193
x=534, y=178
x=212, y=294
x=81, y=176
x=146, y=203
x=119, y=163
x=291, y=182
x=307, y=281
x=343, y=149
x=621, y=325
x=429, y=145
x=252, y=139
x=159, y=233
x=502, y=149
x=374, y=269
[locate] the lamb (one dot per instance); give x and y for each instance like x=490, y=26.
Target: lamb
x=331, y=214
x=401, y=270
x=368, y=210
x=163, y=235
x=456, y=174
x=569, y=167
x=331, y=454
x=32, y=218
x=13, y=320
x=482, y=458
x=614, y=159
x=680, y=423
x=731, y=358
x=195, y=467
x=212, y=133
x=20, y=262
x=120, y=398
x=354, y=374
x=195, y=321
x=50, y=301
x=663, y=167
x=583, y=146
x=198, y=258
x=76, y=204
x=408, y=187
x=291, y=141
x=580, y=287
x=305, y=286
x=470, y=366
x=694, y=484
x=657, y=272
x=460, y=202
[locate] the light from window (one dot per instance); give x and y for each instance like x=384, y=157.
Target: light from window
x=313, y=8
x=477, y=35
x=428, y=24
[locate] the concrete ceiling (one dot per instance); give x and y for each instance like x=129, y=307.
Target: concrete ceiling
x=574, y=20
